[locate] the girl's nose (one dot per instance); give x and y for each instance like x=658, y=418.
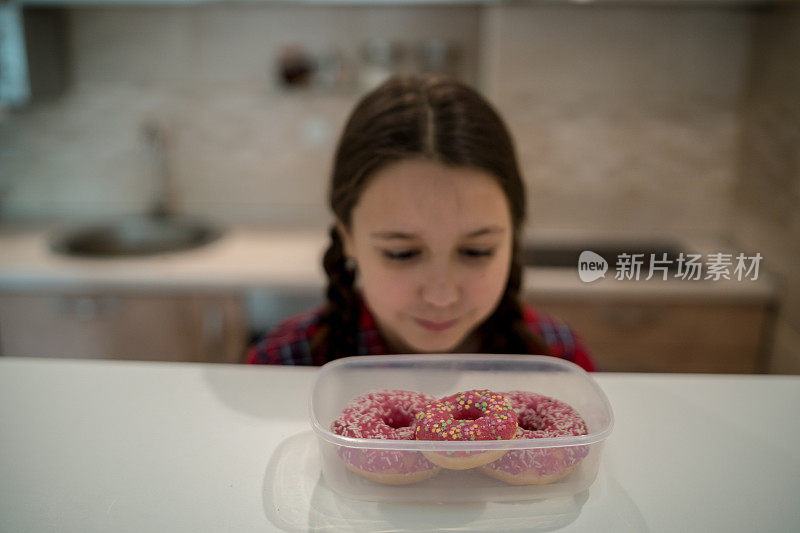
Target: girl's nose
x=441, y=290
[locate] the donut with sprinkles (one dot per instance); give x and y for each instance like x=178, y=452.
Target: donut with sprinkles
x=540, y=416
x=474, y=415
x=384, y=414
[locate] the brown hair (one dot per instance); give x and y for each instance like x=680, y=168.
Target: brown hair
x=443, y=120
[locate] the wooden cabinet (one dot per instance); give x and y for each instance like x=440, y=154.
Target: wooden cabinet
x=669, y=335
x=153, y=326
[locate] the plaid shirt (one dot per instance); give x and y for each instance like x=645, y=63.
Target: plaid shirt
x=290, y=342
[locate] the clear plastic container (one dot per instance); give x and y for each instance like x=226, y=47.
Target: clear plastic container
x=341, y=381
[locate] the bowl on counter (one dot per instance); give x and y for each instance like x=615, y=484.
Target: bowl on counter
x=439, y=375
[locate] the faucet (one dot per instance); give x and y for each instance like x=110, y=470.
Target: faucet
x=156, y=141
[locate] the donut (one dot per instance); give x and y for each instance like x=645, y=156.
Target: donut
x=540, y=417
x=466, y=416
x=385, y=414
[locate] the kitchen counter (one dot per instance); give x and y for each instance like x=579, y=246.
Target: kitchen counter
x=252, y=278
x=134, y=446
x=242, y=258
x=249, y=257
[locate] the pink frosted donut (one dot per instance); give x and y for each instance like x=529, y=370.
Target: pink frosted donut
x=468, y=416
x=385, y=414
x=540, y=417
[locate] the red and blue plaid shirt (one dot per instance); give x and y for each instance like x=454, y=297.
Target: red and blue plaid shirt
x=289, y=343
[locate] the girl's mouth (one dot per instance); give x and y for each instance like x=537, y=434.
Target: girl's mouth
x=436, y=326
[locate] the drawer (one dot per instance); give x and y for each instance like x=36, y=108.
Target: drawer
x=141, y=326
x=668, y=336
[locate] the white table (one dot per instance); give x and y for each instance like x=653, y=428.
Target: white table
x=129, y=446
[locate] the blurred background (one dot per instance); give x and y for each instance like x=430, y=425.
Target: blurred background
x=164, y=165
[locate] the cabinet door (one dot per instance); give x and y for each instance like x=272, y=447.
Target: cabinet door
x=668, y=336
x=150, y=326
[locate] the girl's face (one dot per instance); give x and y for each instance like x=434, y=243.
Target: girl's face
x=433, y=248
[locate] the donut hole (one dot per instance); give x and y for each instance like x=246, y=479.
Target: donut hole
x=530, y=421
x=468, y=414
x=398, y=419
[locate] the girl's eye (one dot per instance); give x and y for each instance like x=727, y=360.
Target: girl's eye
x=470, y=253
x=477, y=253
x=403, y=255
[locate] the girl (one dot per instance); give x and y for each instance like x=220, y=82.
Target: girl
x=424, y=253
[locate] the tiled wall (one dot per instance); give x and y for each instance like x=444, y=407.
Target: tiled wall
x=766, y=215
x=240, y=149
x=624, y=116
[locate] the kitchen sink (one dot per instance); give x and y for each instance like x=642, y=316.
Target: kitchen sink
x=555, y=255
x=136, y=237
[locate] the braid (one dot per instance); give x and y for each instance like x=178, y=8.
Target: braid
x=505, y=330
x=339, y=321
